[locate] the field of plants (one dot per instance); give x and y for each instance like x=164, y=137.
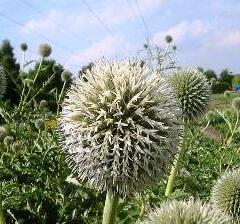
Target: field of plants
x=118, y=144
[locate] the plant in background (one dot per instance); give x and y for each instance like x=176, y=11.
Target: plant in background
x=236, y=103
x=120, y=129
x=227, y=94
x=181, y=212
x=226, y=194
x=193, y=91
x=3, y=82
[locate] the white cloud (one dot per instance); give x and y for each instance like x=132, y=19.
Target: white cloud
x=107, y=47
x=231, y=38
x=181, y=30
x=111, y=12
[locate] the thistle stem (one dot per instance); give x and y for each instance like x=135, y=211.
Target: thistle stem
x=110, y=208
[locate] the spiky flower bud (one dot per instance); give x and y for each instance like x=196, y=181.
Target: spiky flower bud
x=24, y=47
x=3, y=132
x=168, y=38
x=8, y=140
x=192, y=90
x=39, y=124
x=236, y=103
x=226, y=194
x=120, y=129
x=29, y=83
x=45, y=50
x=181, y=212
x=66, y=75
x=227, y=94
x=3, y=82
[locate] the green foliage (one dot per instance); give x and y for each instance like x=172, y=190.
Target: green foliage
x=210, y=74
x=220, y=87
x=225, y=76
x=3, y=82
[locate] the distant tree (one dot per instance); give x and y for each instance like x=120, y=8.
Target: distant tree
x=11, y=69
x=210, y=74
x=226, y=76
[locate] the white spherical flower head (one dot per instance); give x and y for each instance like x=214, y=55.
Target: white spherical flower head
x=120, y=127
x=192, y=90
x=226, y=194
x=181, y=212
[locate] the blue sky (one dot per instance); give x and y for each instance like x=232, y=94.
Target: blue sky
x=206, y=32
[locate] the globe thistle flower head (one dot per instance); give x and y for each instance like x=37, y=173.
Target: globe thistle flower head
x=66, y=75
x=236, y=103
x=226, y=194
x=192, y=90
x=45, y=50
x=181, y=212
x=3, y=82
x=24, y=47
x=39, y=124
x=168, y=38
x=120, y=129
x=8, y=140
x=227, y=94
x=16, y=146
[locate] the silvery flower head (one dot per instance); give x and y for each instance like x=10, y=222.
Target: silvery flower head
x=3, y=82
x=45, y=50
x=120, y=128
x=192, y=90
x=226, y=194
x=181, y=212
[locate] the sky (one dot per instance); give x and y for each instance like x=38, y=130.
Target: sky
x=206, y=32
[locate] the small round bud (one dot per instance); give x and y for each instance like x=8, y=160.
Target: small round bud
x=66, y=75
x=45, y=50
x=56, y=68
x=39, y=124
x=174, y=47
x=236, y=103
x=168, y=39
x=8, y=140
x=24, y=47
x=145, y=46
x=227, y=94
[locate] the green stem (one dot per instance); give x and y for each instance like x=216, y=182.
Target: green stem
x=173, y=173
x=60, y=97
x=2, y=220
x=110, y=208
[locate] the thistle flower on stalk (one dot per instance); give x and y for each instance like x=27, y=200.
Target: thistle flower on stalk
x=193, y=91
x=8, y=140
x=3, y=132
x=3, y=82
x=168, y=38
x=45, y=50
x=66, y=75
x=39, y=124
x=120, y=129
x=226, y=194
x=24, y=47
x=181, y=212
